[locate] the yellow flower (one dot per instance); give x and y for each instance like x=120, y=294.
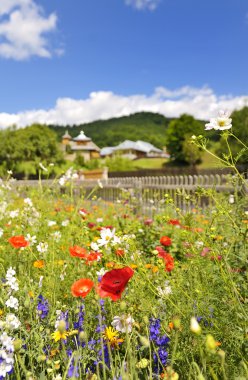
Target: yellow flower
x=57, y=335
x=1, y=312
x=111, y=336
x=60, y=262
x=39, y=264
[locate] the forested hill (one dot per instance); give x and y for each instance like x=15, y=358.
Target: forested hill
x=144, y=126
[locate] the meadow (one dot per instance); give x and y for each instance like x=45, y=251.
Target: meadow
x=95, y=290
x=92, y=292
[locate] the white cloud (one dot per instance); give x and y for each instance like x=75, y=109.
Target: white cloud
x=202, y=103
x=143, y=4
x=22, y=29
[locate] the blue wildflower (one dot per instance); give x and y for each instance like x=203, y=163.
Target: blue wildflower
x=42, y=307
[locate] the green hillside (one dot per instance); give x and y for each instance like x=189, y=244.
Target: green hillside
x=145, y=126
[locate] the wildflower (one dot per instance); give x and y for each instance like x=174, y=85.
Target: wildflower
x=42, y=247
x=92, y=256
x=159, y=357
x=57, y=236
x=82, y=287
x=112, y=337
x=106, y=235
x=51, y=223
x=101, y=272
x=83, y=212
x=31, y=239
x=39, y=264
x=13, y=214
x=12, y=303
x=221, y=123
x=77, y=251
x=174, y=222
x=194, y=326
x=120, y=252
x=28, y=202
x=166, y=290
x=166, y=241
x=11, y=281
x=143, y=363
x=18, y=241
x=123, y=323
x=59, y=335
x=148, y=222
x=65, y=223
x=94, y=246
x=42, y=307
x=12, y=322
x=114, y=282
x=170, y=374
x=7, y=341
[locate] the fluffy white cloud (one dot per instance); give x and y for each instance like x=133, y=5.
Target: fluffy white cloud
x=202, y=103
x=143, y=4
x=22, y=29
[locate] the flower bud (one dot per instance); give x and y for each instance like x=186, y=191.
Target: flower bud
x=17, y=344
x=210, y=343
x=194, y=326
x=123, y=305
x=144, y=341
x=143, y=363
x=82, y=336
x=177, y=323
x=62, y=326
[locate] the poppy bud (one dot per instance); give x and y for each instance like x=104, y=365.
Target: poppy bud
x=144, y=341
x=82, y=336
x=210, y=343
x=123, y=305
x=17, y=344
x=62, y=326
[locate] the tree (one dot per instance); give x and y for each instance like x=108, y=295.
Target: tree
x=180, y=131
x=192, y=153
x=32, y=145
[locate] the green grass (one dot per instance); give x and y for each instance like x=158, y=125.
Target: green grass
x=149, y=163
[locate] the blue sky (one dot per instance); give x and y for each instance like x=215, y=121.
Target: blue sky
x=71, y=61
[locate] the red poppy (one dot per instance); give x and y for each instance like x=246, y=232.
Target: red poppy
x=83, y=212
x=82, y=287
x=168, y=259
x=77, y=251
x=174, y=222
x=169, y=263
x=161, y=252
x=92, y=256
x=166, y=241
x=18, y=241
x=120, y=252
x=114, y=282
x=91, y=225
x=148, y=222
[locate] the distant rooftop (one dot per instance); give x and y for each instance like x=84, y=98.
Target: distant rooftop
x=82, y=137
x=139, y=145
x=66, y=135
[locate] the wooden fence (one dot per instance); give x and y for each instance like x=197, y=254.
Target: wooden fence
x=151, y=193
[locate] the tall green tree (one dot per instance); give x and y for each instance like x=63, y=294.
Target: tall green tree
x=33, y=144
x=178, y=133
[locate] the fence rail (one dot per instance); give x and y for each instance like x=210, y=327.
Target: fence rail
x=149, y=192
